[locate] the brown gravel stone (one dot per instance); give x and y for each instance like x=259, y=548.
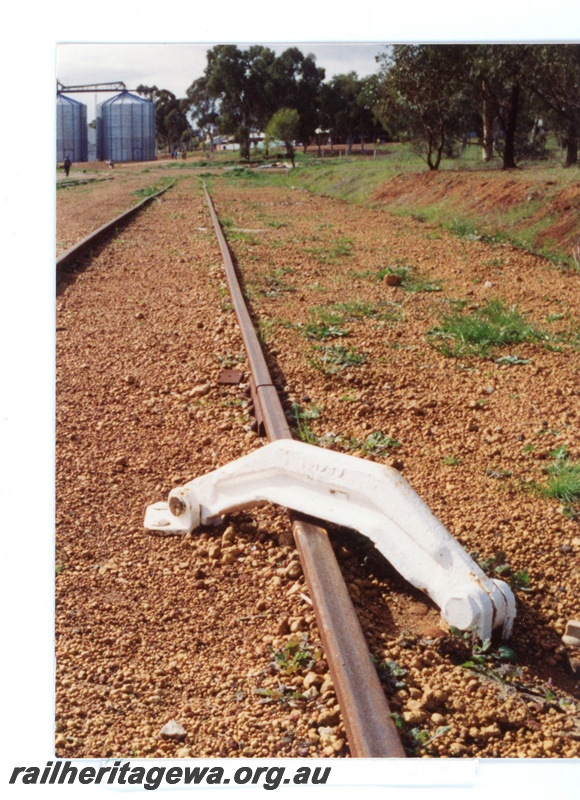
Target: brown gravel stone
x=129, y=605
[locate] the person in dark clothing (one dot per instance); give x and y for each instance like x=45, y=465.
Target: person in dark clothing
x=67, y=165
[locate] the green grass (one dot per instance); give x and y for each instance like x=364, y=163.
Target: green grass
x=243, y=236
x=376, y=443
x=360, y=179
x=149, y=191
x=337, y=314
x=334, y=358
x=302, y=429
x=332, y=253
x=411, y=280
x=481, y=332
x=563, y=480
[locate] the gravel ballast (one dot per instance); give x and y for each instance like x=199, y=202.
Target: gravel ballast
x=207, y=645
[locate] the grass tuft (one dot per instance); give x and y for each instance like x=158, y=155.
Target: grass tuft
x=563, y=480
x=487, y=328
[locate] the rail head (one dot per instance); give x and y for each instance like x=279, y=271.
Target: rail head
x=370, y=729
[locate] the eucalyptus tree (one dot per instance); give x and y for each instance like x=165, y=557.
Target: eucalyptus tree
x=170, y=114
x=241, y=83
x=297, y=81
x=554, y=79
x=500, y=75
x=421, y=92
x=346, y=108
x=204, y=108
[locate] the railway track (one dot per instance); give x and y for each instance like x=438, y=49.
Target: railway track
x=370, y=729
x=151, y=418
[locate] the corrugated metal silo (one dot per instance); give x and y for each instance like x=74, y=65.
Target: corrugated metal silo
x=126, y=129
x=71, y=129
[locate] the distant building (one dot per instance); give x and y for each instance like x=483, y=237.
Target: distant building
x=71, y=129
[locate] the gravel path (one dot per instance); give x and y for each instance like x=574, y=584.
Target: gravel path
x=215, y=631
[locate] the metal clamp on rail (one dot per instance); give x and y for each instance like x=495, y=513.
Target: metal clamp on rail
x=373, y=499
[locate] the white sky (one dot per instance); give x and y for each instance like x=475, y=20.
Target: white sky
x=28, y=61
x=175, y=66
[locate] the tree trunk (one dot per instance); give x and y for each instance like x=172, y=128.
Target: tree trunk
x=572, y=145
x=509, y=155
x=487, y=143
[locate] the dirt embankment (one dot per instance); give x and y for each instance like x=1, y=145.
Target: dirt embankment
x=512, y=204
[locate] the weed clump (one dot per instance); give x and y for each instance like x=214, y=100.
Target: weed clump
x=563, y=478
x=490, y=327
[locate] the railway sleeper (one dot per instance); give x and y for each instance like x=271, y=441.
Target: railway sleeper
x=371, y=498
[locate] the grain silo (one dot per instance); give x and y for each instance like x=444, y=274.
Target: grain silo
x=126, y=129
x=71, y=129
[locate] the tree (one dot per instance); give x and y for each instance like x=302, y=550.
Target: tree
x=297, y=81
x=170, y=115
x=284, y=125
x=554, y=78
x=241, y=84
x=498, y=72
x=346, y=108
x=421, y=91
x=248, y=86
x=203, y=105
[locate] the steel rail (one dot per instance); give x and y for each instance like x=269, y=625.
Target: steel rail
x=70, y=255
x=365, y=712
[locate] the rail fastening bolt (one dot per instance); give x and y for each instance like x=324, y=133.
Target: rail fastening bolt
x=177, y=506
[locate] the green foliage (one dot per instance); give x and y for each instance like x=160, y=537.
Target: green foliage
x=485, y=659
x=285, y=695
x=284, y=125
x=334, y=358
x=302, y=428
x=321, y=331
x=411, y=281
x=347, y=106
x=478, y=333
x=376, y=443
x=338, y=314
x=497, y=566
x=465, y=229
x=149, y=191
x=421, y=739
x=451, y=461
x=521, y=580
x=242, y=89
x=422, y=93
x=498, y=474
x=398, y=720
x=296, y=655
x=339, y=249
x=170, y=115
x=231, y=360
x=563, y=478
x=512, y=360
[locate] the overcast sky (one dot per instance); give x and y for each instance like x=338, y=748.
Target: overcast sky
x=176, y=66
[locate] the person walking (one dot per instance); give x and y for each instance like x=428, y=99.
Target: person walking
x=67, y=165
